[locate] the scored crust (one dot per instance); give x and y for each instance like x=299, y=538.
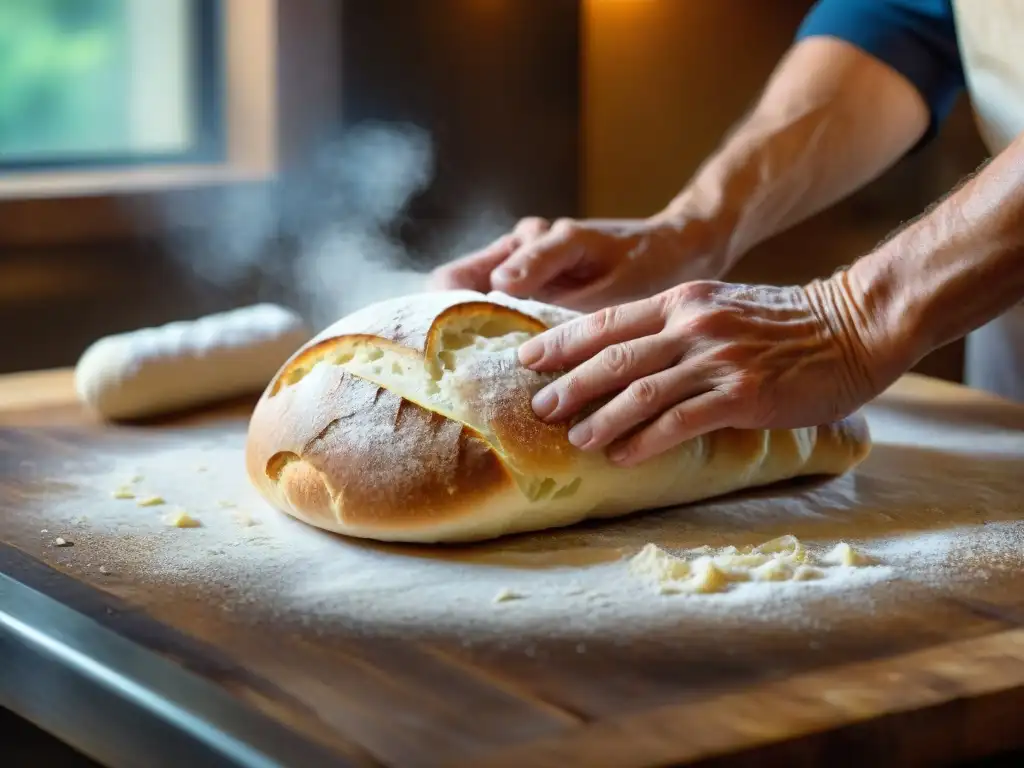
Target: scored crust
x=411, y=420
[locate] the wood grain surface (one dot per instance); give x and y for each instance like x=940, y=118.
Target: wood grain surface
x=933, y=677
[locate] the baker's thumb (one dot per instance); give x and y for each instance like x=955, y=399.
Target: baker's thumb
x=533, y=267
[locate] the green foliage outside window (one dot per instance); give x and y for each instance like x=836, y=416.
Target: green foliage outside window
x=63, y=77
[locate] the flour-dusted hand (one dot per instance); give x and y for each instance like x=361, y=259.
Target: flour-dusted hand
x=588, y=264
x=708, y=355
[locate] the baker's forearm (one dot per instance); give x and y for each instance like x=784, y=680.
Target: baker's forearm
x=950, y=271
x=831, y=119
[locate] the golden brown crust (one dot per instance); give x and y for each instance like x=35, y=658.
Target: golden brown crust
x=378, y=460
x=334, y=447
x=416, y=467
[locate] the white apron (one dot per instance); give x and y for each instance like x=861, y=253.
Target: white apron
x=991, y=39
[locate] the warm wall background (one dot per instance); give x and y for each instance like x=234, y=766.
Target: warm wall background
x=664, y=79
x=549, y=107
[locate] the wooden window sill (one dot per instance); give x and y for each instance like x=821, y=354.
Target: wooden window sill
x=123, y=181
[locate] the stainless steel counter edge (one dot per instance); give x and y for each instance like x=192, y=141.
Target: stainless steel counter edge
x=122, y=704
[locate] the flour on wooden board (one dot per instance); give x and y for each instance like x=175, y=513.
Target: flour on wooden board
x=948, y=514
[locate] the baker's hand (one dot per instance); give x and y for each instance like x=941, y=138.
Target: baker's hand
x=588, y=264
x=707, y=355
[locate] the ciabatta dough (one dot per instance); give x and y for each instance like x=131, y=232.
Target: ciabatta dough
x=189, y=363
x=410, y=420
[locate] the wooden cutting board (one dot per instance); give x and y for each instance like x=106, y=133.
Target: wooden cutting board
x=919, y=666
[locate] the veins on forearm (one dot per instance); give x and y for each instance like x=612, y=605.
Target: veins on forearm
x=959, y=264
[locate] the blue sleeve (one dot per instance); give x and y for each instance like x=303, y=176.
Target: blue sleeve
x=917, y=38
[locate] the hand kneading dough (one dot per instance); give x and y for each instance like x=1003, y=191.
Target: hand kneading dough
x=410, y=420
x=185, y=364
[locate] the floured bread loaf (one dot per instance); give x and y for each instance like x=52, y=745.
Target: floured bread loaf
x=410, y=420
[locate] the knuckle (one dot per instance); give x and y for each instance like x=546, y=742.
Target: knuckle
x=677, y=419
x=531, y=225
x=642, y=392
x=600, y=322
x=667, y=301
x=675, y=298
x=617, y=358
x=565, y=227
x=708, y=322
x=554, y=346
x=691, y=292
x=702, y=289
x=573, y=387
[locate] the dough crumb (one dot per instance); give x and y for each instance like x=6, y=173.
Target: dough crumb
x=226, y=504
x=507, y=595
x=124, y=493
x=62, y=542
x=654, y=562
x=708, y=577
x=773, y=570
x=182, y=519
x=45, y=530
x=844, y=554
x=788, y=548
x=807, y=573
x=705, y=570
x=104, y=570
x=151, y=501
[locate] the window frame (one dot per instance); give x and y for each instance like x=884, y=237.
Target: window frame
x=206, y=68
x=279, y=94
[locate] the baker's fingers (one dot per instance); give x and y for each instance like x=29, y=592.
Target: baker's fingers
x=691, y=418
x=569, y=344
x=530, y=228
x=641, y=401
x=610, y=370
x=473, y=272
x=539, y=261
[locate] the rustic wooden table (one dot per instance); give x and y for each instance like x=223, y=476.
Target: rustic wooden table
x=940, y=681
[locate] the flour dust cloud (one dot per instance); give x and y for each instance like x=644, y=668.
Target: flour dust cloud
x=325, y=236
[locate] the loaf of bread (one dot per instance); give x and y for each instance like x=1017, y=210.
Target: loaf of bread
x=410, y=420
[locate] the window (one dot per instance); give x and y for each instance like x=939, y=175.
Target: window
x=113, y=111
x=94, y=83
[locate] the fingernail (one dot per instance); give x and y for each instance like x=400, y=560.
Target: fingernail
x=581, y=434
x=545, y=402
x=509, y=274
x=530, y=352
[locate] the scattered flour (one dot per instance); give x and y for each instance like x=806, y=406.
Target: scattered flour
x=919, y=515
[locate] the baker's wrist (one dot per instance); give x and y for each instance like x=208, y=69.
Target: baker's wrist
x=860, y=310
x=697, y=234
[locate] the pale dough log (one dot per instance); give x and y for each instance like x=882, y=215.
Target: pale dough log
x=188, y=363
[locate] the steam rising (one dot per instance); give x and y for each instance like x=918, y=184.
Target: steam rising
x=325, y=237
